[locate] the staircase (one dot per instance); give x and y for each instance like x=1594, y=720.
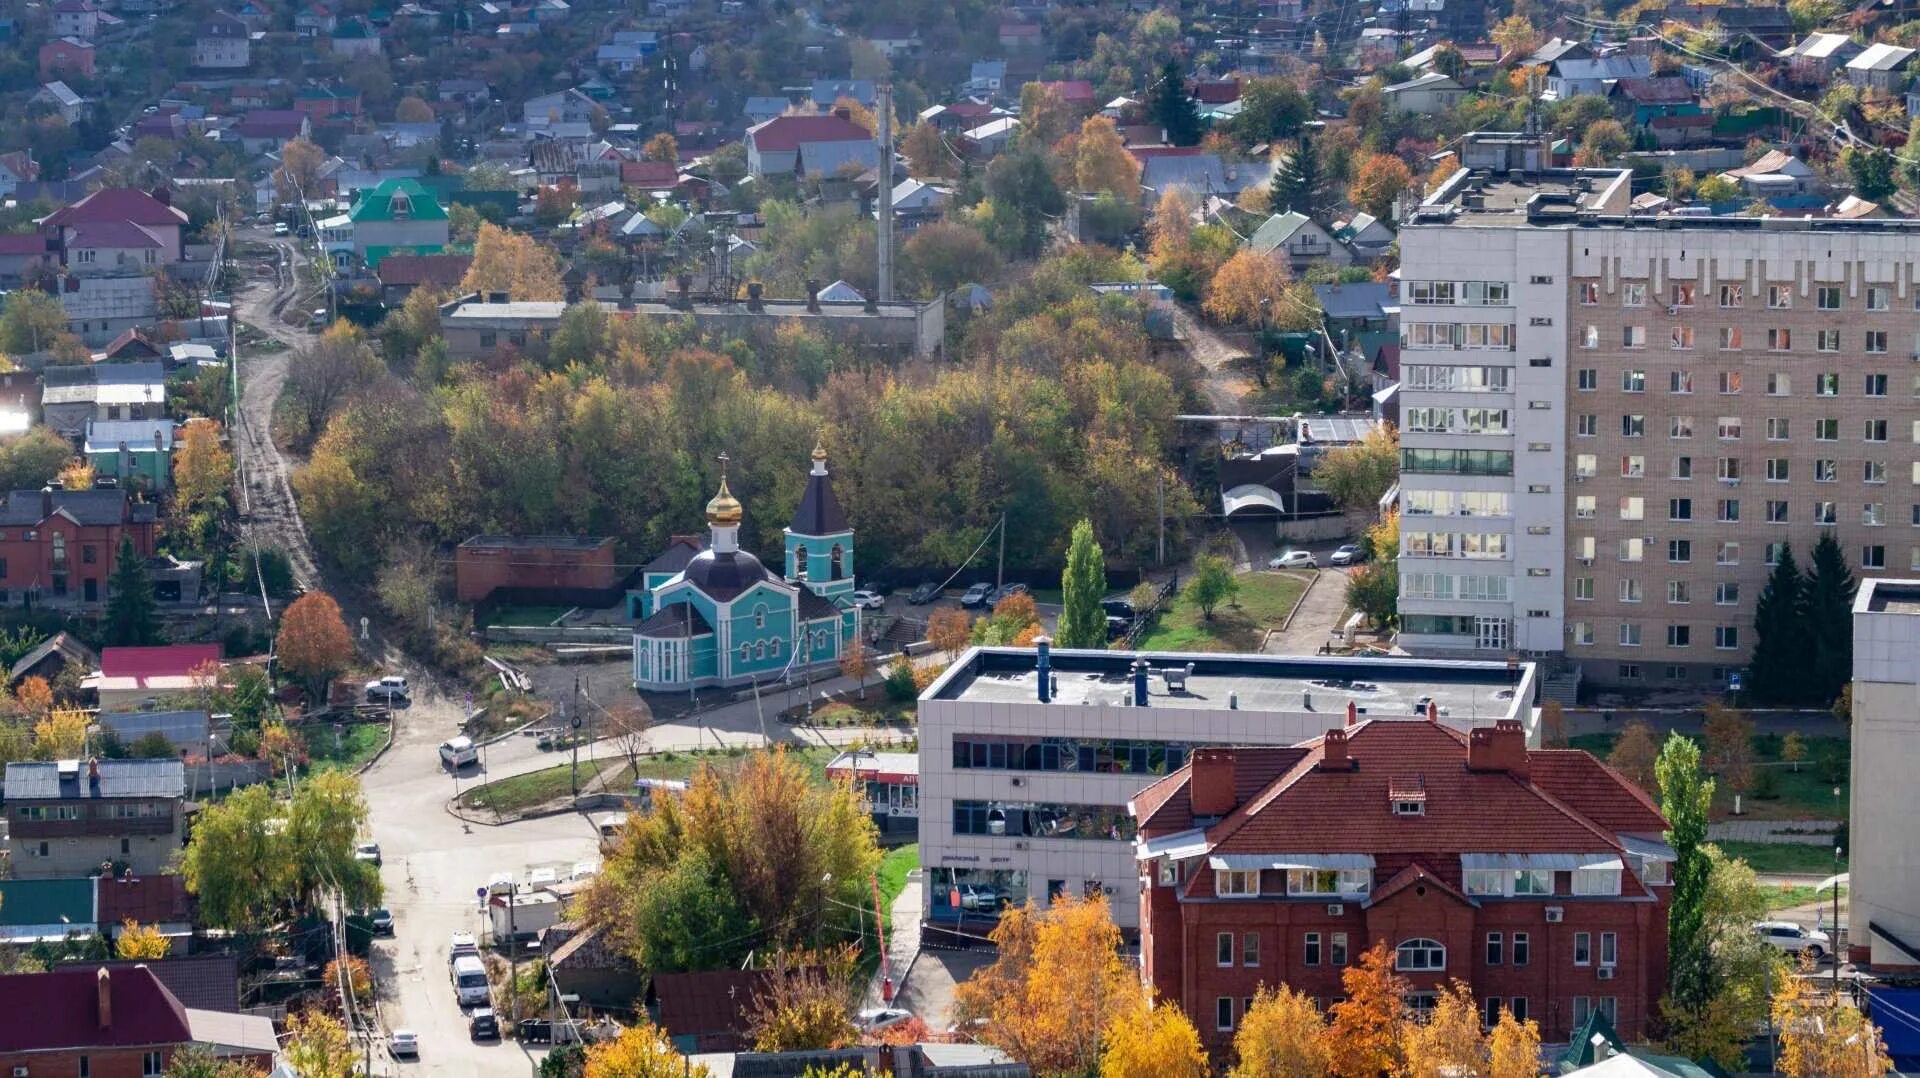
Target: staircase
x=1562, y=686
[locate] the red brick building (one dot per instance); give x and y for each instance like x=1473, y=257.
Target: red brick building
x=1538, y=877
x=89, y=1020
x=58, y=546
x=66, y=56
x=535, y=568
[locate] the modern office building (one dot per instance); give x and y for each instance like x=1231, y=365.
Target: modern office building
x=1612, y=423
x=1883, y=895
x=1028, y=758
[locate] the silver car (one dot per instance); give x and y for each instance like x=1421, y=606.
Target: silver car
x=1795, y=939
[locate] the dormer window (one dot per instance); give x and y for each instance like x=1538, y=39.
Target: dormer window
x=1410, y=808
x=401, y=207
x=1408, y=795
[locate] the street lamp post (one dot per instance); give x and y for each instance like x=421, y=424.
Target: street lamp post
x=1836, y=901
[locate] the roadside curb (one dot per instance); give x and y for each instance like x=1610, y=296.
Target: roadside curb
x=516, y=731
x=1312, y=582
x=378, y=753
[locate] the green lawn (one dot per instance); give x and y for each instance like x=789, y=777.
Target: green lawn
x=893, y=874
x=527, y=615
x=1265, y=600
x=346, y=750
x=519, y=793
x=1785, y=898
x=1785, y=857
x=875, y=710
x=1787, y=794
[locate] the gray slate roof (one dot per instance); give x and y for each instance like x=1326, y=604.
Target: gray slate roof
x=39, y=780
x=89, y=507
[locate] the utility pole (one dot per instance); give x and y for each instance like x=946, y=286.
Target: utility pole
x=1160, y=548
x=573, y=735
x=885, y=238
x=1000, y=572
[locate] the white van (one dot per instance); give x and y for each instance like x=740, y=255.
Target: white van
x=458, y=753
x=470, y=981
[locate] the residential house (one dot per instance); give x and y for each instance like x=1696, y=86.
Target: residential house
x=136, y=453
x=189, y=732
x=132, y=346
x=773, y=147
x=825, y=93
x=895, y=39
x=585, y=965
x=986, y=77
x=621, y=59
x=1775, y=173
x=464, y=91
x=66, y=56
x=255, y=14
x=16, y=168
x=119, y=1023
x=1357, y=311
x=397, y=217
x=269, y=130
x=222, y=42
x=1540, y=878
x=61, y=98
x=1816, y=57
x=76, y=18
x=915, y=203
x=562, y=107
x=1569, y=77
x=1883, y=67
x=653, y=177
x=70, y=817
x=52, y=657
x=328, y=102
x=400, y=274
x=72, y=397
x=130, y=677
x=117, y=228
x=836, y=160
x=315, y=20
x=1077, y=93
x=1199, y=174
x=1300, y=241
x=203, y=982
x=707, y=1011
x=58, y=547
x=1369, y=237
x=1424, y=95
x=761, y=108
x=1021, y=35
x=990, y=139
x=354, y=36
x=48, y=910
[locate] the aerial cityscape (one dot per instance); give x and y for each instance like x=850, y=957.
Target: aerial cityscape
x=1020, y=539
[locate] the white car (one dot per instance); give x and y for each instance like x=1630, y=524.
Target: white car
x=391, y=687
x=368, y=852
x=462, y=943
x=868, y=600
x=1293, y=559
x=404, y=1044
x=542, y=877
x=1795, y=939
x=875, y=1019
x=583, y=870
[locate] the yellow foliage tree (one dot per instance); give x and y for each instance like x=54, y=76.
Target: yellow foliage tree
x=140, y=941
x=926, y=151
x=62, y=735
x=1366, y=1025
x=202, y=467
x=299, y=171
x=1247, y=290
x=1377, y=181
x=1448, y=1043
x=661, y=147
x=1282, y=1036
x=1156, y=1042
x=1513, y=1048
x=413, y=110
x=640, y=1051
x=1823, y=1037
x=317, y=1046
x=1056, y=988
x=77, y=474
x=1101, y=161
x=804, y=1006
x=510, y=262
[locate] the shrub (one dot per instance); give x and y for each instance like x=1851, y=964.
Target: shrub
x=1766, y=784
x=900, y=681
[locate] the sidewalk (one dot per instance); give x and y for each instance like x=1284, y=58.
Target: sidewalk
x=1802, y=832
x=903, y=944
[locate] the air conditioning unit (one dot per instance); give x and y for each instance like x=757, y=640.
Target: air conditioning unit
x=1586, y=561
x=1605, y=973
x=1732, y=481
x=1579, y=477
x=1916, y=357
x=19, y=1072
x=1336, y=909
x=1020, y=844
x=1555, y=914
x=1019, y=782
x=1673, y=309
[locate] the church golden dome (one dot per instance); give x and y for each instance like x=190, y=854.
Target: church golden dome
x=724, y=510
x=819, y=449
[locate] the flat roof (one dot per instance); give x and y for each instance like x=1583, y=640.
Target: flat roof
x=1385, y=687
x=1888, y=597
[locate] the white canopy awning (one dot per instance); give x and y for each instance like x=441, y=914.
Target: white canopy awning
x=1331, y=862
x=1648, y=849
x=1540, y=862
x=1190, y=843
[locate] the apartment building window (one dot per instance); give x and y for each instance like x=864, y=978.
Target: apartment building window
x=1633, y=550
x=1873, y=514
x=1679, y=551
x=1728, y=511
x=1681, y=338
x=1679, y=381
x=1916, y=515
x=1237, y=883
x=1873, y=472
x=1826, y=384
x=1682, y=468
x=1826, y=340
x=1729, y=469
x=1633, y=426
x=1873, y=557
x=1633, y=508
x=1824, y=513
x=1496, y=944
x=1774, y=550
x=1827, y=297
x=1776, y=512
x=1876, y=340
x=1583, y=948
x=1826, y=471
x=1634, y=337
x=1583, y=632
x=1678, y=636
x=1729, y=382
x=1583, y=588
x=1874, y=385
x=1679, y=508
x=1629, y=634
x=1732, y=295
x=1679, y=593
x=1587, y=378
x=1779, y=340
x=1730, y=338
x=1682, y=294
x=1779, y=297
x=1780, y=384
x=1874, y=430
x=1586, y=464
x=1631, y=591
x=1633, y=466
x=1583, y=506
x=1223, y=949
x=1826, y=430
x=1729, y=428
x=1586, y=426
x=1311, y=955
x=1337, y=949
x=1223, y=1013
x=1632, y=381
x=1778, y=470
x=1879, y=298
x=1420, y=956
x=1680, y=426
x=1726, y=637
x=1589, y=293
x=1633, y=295
x=1590, y=337
x=1913, y=558
x=1778, y=428
x=1250, y=949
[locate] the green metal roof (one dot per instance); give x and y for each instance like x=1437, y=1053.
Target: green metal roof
x=45, y=902
x=377, y=204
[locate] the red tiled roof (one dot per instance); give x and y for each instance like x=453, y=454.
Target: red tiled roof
x=173, y=660
x=110, y=234
x=652, y=175
x=711, y=1008
x=146, y=899
x=117, y=204
x=788, y=132
x=1218, y=92
x=1410, y=875
x=270, y=123
x=1661, y=90
x=30, y=244
x=424, y=269
x=61, y=1009
x=1166, y=807
x=1073, y=90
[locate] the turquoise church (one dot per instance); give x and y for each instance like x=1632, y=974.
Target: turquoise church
x=714, y=615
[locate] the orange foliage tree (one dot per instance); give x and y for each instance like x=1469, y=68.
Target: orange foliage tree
x=1366, y=1025
x=313, y=644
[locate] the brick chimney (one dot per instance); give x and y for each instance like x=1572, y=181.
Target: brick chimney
x=813, y=296
x=103, y=991
x=1503, y=747
x=1333, y=752
x=1211, y=786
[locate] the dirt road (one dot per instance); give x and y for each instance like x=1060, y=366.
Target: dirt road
x=1225, y=385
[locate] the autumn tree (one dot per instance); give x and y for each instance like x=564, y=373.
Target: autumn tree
x=1045, y=115
x=1553, y=725
x=1378, y=179
x=1513, y=1048
x=1729, y=746
x=1448, y=1042
x=1156, y=1041
x=661, y=147
x=1212, y=583
x=313, y=643
x=1633, y=756
x=413, y=110
x=1366, y=1025
x=1101, y=161
x=640, y=1051
x=317, y=1047
x=202, y=467
x=948, y=630
x=804, y=1002
x=323, y=377
x=943, y=255
x=1357, y=476
x=198, y=1061
x=62, y=735
x=926, y=151
x=138, y=941
x=1283, y=1035
x=857, y=663
x=233, y=863
x=77, y=474
x=31, y=321
x=1247, y=289
x=298, y=176
x=1823, y=1035
x=513, y=263
x=1793, y=748
x=627, y=725
x=1516, y=37
x=1742, y=967
x=1686, y=795
x=34, y=696
x=1056, y=987
x=352, y=972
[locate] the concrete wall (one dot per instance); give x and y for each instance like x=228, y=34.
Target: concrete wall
x=1884, y=859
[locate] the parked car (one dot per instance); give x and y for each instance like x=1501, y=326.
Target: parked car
x=280, y=228
x=462, y=943
x=868, y=600
x=875, y=1019
x=976, y=595
x=404, y=1043
x=924, y=594
x=1006, y=591
x=1119, y=608
x=482, y=1025
x=1795, y=939
x=368, y=852
x=1348, y=554
x=383, y=922
x=389, y=688
x=1117, y=627
x=583, y=870
x=979, y=898
x=1293, y=559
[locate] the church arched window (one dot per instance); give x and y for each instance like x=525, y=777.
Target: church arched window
x=838, y=557
x=760, y=650
x=773, y=647
x=800, y=563
x=760, y=615
x=746, y=652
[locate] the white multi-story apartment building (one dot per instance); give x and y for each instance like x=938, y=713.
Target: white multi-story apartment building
x=1883, y=897
x=1613, y=424
x=1024, y=789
